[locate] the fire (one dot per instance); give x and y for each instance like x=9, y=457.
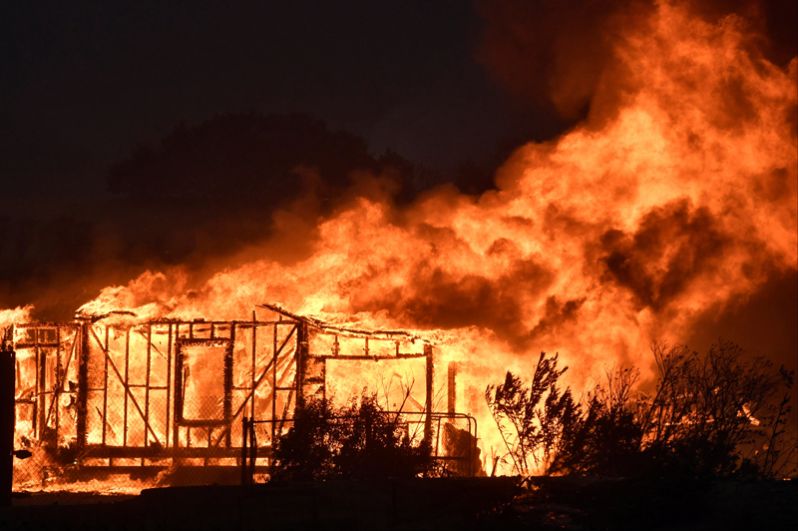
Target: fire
x=675, y=197
x=15, y=315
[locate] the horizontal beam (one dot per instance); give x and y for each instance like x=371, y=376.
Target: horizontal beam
x=88, y=471
x=156, y=452
x=350, y=357
x=40, y=344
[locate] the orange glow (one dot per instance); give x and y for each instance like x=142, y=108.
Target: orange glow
x=676, y=196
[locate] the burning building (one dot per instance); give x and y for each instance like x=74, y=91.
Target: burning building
x=110, y=393
x=667, y=214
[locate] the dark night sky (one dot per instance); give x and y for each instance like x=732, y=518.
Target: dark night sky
x=82, y=85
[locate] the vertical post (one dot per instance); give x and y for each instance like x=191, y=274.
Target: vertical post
x=472, y=445
x=428, y=387
x=83, y=386
x=301, y=363
x=40, y=406
x=228, y=387
x=105, y=389
x=244, y=452
x=58, y=384
x=252, y=367
x=126, y=383
x=274, y=387
x=147, y=388
x=178, y=394
x=168, y=380
x=451, y=405
x=7, y=420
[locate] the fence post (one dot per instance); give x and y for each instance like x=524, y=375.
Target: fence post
x=7, y=420
x=244, y=453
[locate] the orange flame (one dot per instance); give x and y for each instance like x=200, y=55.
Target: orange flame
x=675, y=197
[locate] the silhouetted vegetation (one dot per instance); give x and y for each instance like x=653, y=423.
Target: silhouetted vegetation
x=713, y=415
x=534, y=424
x=361, y=441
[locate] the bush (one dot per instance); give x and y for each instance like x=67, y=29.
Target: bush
x=716, y=415
x=532, y=428
x=719, y=414
x=360, y=441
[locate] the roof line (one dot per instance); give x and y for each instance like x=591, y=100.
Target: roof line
x=318, y=323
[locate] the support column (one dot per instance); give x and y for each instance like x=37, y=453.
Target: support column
x=228, y=384
x=7, y=421
x=451, y=405
x=301, y=363
x=428, y=404
x=83, y=385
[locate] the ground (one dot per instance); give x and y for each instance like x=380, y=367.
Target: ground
x=480, y=503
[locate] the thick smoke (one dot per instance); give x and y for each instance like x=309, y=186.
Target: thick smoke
x=672, y=246
x=560, y=55
x=549, y=52
x=205, y=193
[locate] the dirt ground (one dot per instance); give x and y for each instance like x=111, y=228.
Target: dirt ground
x=463, y=504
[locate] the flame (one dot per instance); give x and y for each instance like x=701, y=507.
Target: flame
x=675, y=197
x=20, y=314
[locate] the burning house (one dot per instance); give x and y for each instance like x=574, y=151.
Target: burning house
x=113, y=394
x=667, y=214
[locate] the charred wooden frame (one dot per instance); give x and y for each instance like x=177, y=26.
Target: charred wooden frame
x=111, y=390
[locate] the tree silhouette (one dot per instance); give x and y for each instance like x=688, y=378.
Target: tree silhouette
x=532, y=427
x=718, y=414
